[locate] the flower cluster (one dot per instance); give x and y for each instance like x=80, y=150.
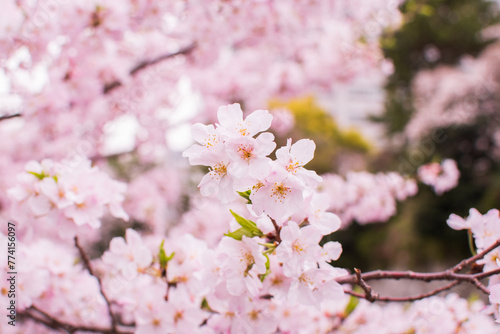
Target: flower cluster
x=434, y=315
x=81, y=195
x=442, y=177
x=48, y=273
x=291, y=217
x=486, y=231
x=186, y=287
x=239, y=162
x=270, y=272
x=365, y=197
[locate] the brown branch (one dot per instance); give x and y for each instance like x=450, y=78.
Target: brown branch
x=480, y=286
x=446, y=275
x=146, y=63
x=88, y=265
x=4, y=117
x=164, y=273
x=354, y=294
x=369, y=294
x=37, y=315
x=277, y=229
x=46, y=320
x=476, y=257
x=487, y=274
x=406, y=299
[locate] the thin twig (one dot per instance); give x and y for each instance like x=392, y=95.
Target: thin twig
x=47, y=320
x=406, y=299
x=369, y=294
x=88, y=265
x=487, y=274
x=4, y=117
x=355, y=294
x=36, y=314
x=476, y=257
x=277, y=229
x=446, y=275
x=146, y=63
x=480, y=286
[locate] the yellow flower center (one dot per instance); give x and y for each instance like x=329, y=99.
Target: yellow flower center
x=298, y=247
x=245, y=152
x=280, y=192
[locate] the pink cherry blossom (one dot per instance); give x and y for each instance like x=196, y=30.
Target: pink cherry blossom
x=128, y=256
x=442, y=177
x=279, y=195
x=299, y=248
x=231, y=121
x=315, y=211
x=241, y=263
x=314, y=285
x=294, y=157
x=249, y=156
x=211, y=142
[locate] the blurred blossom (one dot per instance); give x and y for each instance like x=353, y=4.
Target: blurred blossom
x=283, y=121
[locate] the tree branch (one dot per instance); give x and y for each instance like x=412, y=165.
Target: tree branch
x=446, y=275
x=4, y=117
x=476, y=257
x=146, y=63
x=277, y=229
x=37, y=315
x=369, y=294
x=405, y=299
x=139, y=67
x=88, y=265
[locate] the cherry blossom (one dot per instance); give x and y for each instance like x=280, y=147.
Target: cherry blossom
x=299, y=248
x=231, y=121
x=364, y=197
x=42, y=188
x=248, y=155
x=294, y=157
x=241, y=263
x=314, y=285
x=129, y=256
x=442, y=177
x=278, y=195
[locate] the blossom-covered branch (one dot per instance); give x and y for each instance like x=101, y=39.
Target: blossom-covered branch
x=268, y=265
x=448, y=275
x=88, y=266
x=146, y=63
x=39, y=316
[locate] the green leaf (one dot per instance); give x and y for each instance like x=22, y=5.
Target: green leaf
x=248, y=228
x=246, y=195
x=247, y=224
x=40, y=176
x=239, y=233
x=162, y=256
x=268, y=268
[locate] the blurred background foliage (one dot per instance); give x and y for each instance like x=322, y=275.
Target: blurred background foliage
x=433, y=33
